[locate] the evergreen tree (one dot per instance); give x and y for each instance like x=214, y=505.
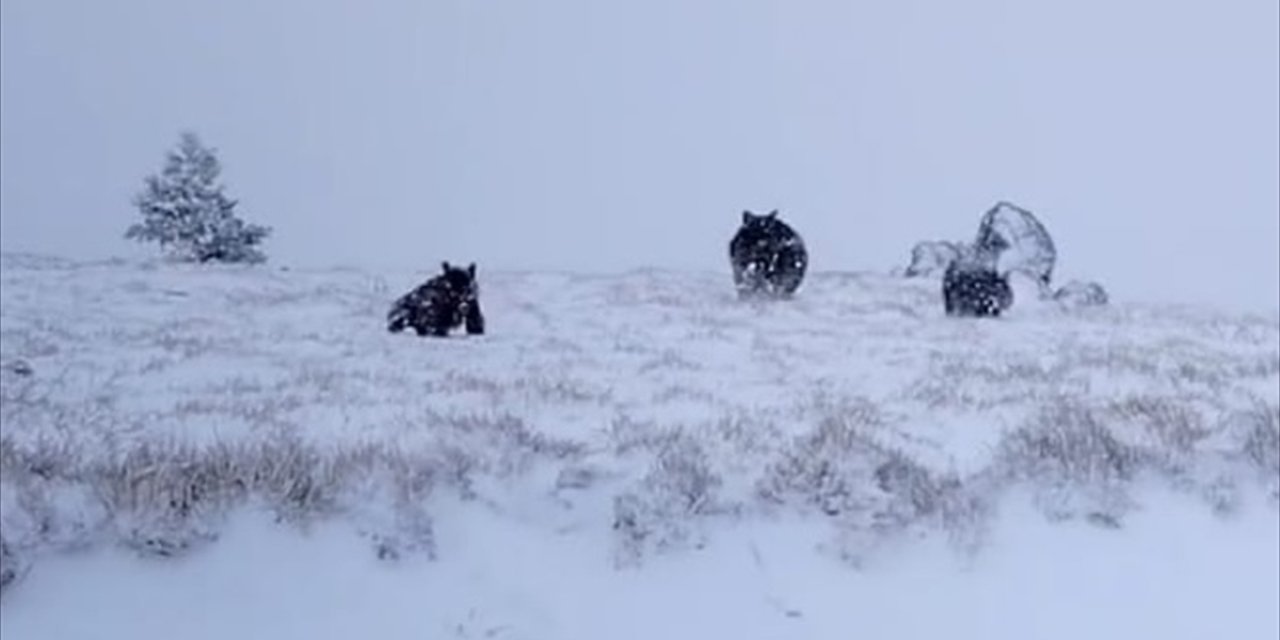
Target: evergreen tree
x=186, y=210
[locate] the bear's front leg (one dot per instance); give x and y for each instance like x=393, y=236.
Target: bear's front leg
x=475, y=319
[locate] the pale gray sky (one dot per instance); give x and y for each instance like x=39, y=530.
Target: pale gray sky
x=594, y=135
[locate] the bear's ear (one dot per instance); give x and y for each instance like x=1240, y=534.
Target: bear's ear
x=445, y=265
x=471, y=270
x=746, y=217
x=772, y=214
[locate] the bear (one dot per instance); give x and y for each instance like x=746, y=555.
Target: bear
x=768, y=257
x=975, y=289
x=440, y=305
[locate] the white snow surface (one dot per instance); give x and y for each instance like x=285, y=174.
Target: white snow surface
x=246, y=452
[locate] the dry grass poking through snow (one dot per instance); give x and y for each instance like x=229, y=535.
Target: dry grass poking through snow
x=141, y=403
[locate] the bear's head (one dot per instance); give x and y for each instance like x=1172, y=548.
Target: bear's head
x=753, y=221
x=762, y=229
x=461, y=282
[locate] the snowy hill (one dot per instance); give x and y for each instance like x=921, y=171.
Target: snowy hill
x=622, y=453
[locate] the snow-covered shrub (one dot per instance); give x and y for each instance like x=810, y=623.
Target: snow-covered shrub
x=1259, y=439
x=683, y=472
x=932, y=257
x=841, y=472
x=1021, y=241
x=1074, y=464
x=661, y=512
x=42, y=510
x=869, y=490
x=186, y=210
x=498, y=444
x=166, y=499
x=1081, y=294
x=1172, y=426
x=11, y=566
x=1067, y=442
x=388, y=500
x=1263, y=442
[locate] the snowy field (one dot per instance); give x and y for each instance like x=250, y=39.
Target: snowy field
x=230, y=452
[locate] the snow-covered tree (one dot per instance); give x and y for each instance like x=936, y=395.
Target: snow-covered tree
x=186, y=210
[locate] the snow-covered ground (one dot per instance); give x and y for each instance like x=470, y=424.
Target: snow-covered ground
x=230, y=452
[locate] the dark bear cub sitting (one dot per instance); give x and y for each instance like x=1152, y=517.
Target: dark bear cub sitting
x=440, y=304
x=768, y=257
x=974, y=289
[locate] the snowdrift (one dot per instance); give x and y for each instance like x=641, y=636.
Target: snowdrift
x=144, y=406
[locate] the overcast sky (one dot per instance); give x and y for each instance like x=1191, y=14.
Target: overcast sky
x=595, y=135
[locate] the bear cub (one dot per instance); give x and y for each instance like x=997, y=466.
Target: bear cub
x=768, y=257
x=440, y=304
